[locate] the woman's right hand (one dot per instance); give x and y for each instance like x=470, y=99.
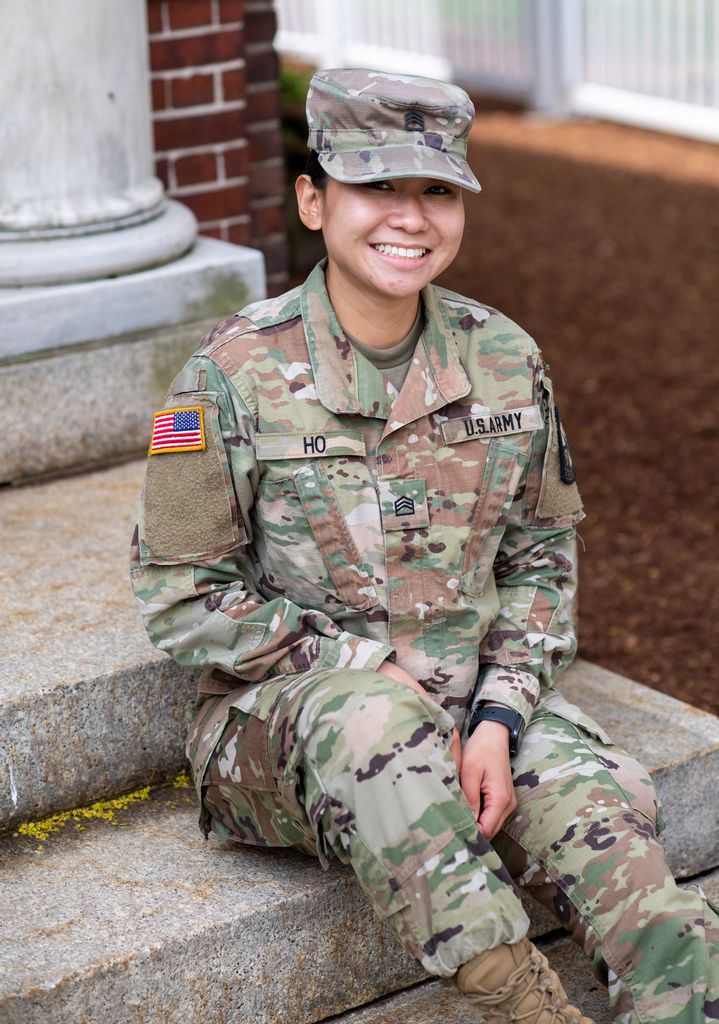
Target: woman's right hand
x=388, y=668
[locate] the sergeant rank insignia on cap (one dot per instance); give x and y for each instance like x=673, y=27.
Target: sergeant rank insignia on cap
x=178, y=430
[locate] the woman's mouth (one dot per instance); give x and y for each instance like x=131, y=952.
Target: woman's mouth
x=403, y=252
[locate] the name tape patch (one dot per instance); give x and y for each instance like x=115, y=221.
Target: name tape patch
x=492, y=424
x=178, y=430
x=308, y=446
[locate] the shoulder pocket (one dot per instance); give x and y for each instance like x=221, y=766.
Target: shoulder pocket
x=559, y=502
x=188, y=509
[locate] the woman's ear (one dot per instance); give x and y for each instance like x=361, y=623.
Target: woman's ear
x=309, y=202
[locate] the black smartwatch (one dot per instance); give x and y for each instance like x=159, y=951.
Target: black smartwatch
x=512, y=719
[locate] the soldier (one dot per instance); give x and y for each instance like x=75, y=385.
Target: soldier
x=359, y=518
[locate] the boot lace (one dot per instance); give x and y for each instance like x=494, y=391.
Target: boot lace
x=503, y=1003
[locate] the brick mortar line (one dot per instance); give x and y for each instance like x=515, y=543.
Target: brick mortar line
x=273, y=236
x=199, y=30
x=203, y=188
x=259, y=48
x=269, y=161
x=269, y=83
x=266, y=202
x=199, y=110
x=181, y=74
x=257, y=127
x=273, y=125
x=164, y=17
x=218, y=148
x=227, y=222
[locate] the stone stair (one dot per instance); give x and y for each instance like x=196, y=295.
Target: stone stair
x=136, y=918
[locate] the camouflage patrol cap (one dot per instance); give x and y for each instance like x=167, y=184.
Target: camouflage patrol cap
x=369, y=125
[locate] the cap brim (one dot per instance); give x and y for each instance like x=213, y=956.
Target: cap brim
x=386, y=162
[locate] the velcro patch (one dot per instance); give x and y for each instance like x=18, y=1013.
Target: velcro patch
x=403, y=504
x=308, y=446
x=492, y=424
x=178, y=430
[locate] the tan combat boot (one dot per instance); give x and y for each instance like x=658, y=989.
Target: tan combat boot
x=515, y=983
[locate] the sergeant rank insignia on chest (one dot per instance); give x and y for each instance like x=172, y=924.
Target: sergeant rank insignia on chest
x=178, y=430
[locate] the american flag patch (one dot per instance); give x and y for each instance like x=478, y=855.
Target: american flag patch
x=178, y=430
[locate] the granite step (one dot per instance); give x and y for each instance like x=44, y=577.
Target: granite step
x=89, y=708
x=436, y=1002
x=129, y=915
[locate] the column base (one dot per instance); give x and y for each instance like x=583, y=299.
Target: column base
x=106, y=254
x=212, y=280
x=83, y=366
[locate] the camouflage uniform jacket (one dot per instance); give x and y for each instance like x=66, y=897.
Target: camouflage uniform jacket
x=329, y=521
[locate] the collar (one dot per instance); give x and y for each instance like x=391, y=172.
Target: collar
x=348, y=383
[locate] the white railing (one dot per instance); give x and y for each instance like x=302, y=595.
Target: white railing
x=654, y=63
x=480, y=43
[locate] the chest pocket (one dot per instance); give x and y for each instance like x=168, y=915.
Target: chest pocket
x=333, y=538
x=305, y=544
x=502, y=472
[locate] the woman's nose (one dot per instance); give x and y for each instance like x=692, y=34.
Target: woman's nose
x=407, y=212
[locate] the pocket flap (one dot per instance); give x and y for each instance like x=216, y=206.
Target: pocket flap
x=333, y=538
x=554, y=701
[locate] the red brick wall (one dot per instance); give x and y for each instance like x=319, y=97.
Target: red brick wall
x=218, y=142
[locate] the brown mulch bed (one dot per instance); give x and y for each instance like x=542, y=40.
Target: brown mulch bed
x=602, y=242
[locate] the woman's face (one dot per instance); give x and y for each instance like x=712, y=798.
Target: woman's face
x=386, y=238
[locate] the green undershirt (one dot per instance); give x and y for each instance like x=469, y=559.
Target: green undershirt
x=393, y=362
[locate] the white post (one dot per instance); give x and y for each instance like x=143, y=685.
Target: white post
x=76, y=146
x=555, y=29
x=330, y=20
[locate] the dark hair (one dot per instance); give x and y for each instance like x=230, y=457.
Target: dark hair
x=317, y=174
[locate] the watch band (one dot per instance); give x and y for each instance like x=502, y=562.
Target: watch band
x=506, y=716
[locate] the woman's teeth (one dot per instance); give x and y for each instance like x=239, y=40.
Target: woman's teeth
x=397, y=250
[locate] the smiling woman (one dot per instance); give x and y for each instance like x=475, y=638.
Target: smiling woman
x=385, y=241
x=362, y=529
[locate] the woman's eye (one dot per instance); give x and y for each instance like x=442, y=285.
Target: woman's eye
x=379, y=186
x=440, y=190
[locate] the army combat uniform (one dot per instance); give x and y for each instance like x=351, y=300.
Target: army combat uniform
x=301, y=523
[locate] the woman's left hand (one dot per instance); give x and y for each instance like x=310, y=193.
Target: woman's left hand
x=486, y=776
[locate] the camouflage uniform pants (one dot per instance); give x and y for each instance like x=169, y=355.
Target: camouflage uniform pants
x=353, y=765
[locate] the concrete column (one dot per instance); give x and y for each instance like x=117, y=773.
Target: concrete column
x=76, y=146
